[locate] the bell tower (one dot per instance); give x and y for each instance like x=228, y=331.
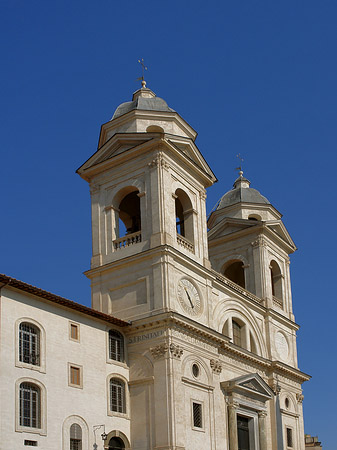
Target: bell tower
x=147, y=183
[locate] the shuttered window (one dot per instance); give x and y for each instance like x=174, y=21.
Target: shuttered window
x=117, y=395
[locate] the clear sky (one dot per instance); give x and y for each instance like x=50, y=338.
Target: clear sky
x=252, y=77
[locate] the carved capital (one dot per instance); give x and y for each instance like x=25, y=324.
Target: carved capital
x=159, y=351
x=233, y=404
x=94, y=188
x=259, y=242
x=299, y=398
x=203, y=195
x=176, y=350
x=159, y=161
x=215, y=366
x=274, y=384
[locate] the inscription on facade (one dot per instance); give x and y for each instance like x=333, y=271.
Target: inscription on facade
x=145, y=337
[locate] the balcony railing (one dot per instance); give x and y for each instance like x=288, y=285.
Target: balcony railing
x=185, y=243
x=127, y=240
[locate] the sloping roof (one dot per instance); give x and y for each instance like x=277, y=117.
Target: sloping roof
x=17, y=284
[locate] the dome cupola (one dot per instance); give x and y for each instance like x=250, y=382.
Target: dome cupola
x=243, y=202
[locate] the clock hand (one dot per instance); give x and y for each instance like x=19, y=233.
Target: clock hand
x=189, y=298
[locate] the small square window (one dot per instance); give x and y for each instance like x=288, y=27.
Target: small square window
x=75, y=375
x=30, y=443
x=74, y=332
x=289, y=437
x=197, y=415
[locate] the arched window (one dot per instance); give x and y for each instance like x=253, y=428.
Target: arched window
x=29, y=344
x=75, y=437
x=117, y=395
x=180, y=224
x=30, y=405
x=116, y=346
x=237, y=338
x=276, y=280
x=116, y=443
x=184, y=219
x=235, y=272
x=129, y=214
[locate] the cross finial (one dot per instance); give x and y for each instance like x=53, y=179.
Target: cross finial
x=240, y=166
x=141, y=62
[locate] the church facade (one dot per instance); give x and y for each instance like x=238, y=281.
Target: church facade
x=191, y=339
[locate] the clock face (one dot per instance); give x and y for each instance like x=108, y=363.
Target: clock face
x=189, y=297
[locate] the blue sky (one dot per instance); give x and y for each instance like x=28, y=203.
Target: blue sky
x=252, y=77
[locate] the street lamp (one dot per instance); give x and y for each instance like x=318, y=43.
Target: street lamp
x=104, y=436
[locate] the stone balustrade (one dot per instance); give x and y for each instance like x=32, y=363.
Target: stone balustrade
x=127, y=240
x=185, y=243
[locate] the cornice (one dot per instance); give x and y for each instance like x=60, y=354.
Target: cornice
x=173, y=320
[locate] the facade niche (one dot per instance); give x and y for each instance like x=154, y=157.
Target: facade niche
x=184, y=215
x=116, y=443
x=276, y=281
x=235, y=272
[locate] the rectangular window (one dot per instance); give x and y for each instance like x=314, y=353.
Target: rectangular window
x=75, y=375
x=31, y=443
x=197, y=415
x=289, y=437
x=74, y=332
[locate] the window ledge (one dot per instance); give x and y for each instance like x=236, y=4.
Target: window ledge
x=117, y=363
x=23, y=365
x=22, y=429
x=118, y=414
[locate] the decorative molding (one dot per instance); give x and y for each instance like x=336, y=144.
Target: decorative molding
x=176, y=351
x=299, y=398
x=216, y=366
x=159, y=351
x=262, y=414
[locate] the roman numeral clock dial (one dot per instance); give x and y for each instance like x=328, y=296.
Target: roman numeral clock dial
x=189, y=297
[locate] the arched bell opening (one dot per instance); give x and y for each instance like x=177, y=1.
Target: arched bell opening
x=234, y=270
x=276, y=282
x=129, y=214
x=184, y=216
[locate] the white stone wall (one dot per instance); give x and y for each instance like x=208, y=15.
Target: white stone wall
x=88, y=405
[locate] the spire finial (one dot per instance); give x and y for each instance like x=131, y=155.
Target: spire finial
x=141, y=62
x=240, y=166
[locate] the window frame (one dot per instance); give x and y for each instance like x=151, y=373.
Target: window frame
x=42, y=343
x=122, y=347
x=201, y=403
x=122, y=379
x=291, y=429
x=77, y=325
x=42, y=429
x=80, y=369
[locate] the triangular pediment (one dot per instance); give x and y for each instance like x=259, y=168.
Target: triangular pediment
x=229, y=226
x=251, y=385
x=183, y=148
x=278, y=228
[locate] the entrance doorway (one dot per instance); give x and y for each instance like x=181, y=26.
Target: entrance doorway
x=243, y=433
x=116, y=443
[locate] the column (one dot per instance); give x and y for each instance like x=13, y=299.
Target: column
x=262, y=430
x=232, y=427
